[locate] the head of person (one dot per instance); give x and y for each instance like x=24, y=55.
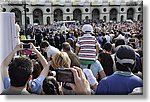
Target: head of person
x=87, y=28
x=71, y=42
x=20, y=71
x=66, y=47
x=125, y=58
x=119, y=42
x=44, y=44
x=50, y=86
x=37, y=68
x=107, y=47
x=61, y=60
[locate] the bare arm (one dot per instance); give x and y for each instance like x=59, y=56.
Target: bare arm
x=77, y=50
x=7, y=60
x=42, y=60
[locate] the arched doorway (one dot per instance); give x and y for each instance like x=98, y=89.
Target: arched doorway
x=113, y=14
x=122, y=18
x=48, y=20
x=95, y=15
x=77, y=14
x=38, y=16
x=104, y=18
x=68, y=18
x=58, y=15
x=18, y=15
x=130, y=13
x=139, y=18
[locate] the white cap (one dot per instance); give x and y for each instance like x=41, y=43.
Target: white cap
x=87, y=28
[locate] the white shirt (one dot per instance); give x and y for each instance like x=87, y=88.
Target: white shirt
x=51, y=51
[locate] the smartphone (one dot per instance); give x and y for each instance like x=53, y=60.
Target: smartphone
x=64, y=75
x=26, y=46
x=132, y=40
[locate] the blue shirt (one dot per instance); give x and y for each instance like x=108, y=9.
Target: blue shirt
x=119, y=83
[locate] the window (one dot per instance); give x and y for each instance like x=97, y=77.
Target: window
x=139, y=9
x=104, y=9
x=122, y=9
x=4, y=10
x=27, y=9
x=47, y=10
x=68, y=10
x=86, y=10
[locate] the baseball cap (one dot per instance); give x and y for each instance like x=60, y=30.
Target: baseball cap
x=125, y=54
x=87, y=28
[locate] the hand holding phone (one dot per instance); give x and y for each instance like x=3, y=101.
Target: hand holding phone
x=64, y=75
x=26, y=46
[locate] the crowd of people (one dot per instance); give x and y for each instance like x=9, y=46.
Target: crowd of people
x=104, y=58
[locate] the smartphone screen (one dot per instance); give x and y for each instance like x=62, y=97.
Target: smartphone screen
x=132, y=40
x=64, y=75
x=26, y=46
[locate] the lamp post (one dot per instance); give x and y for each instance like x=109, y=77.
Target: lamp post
x=25, y=15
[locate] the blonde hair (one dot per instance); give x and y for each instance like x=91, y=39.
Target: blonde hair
x=61, y=60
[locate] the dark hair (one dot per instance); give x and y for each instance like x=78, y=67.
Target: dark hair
x=37, y=68
x=107, y=47
x=44, y=44
x=119, y=42
x=50, y=86
x=19, y=71
x=106, y=62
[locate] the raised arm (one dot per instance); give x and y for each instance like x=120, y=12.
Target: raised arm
x=7, y=60
x=42, y=60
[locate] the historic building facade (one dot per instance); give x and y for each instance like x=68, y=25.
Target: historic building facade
x=48, y=11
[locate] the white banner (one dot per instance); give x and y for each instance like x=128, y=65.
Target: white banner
x=7, y=37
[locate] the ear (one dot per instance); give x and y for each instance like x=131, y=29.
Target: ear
x=30, y=77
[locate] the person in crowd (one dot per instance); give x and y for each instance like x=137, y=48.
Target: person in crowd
x=17, y=74
x=50, y=50
x=87, y=48
x=106, y=60
x=73, y=57
x=72, y=43
x=123, y=81
x=50, y=86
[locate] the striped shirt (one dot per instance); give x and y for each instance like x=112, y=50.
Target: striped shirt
x=87, y=44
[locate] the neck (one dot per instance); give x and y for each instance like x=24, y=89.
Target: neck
x=18, y=88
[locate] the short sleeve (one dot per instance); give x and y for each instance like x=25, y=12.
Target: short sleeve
x=6, y=82
x=36, y=84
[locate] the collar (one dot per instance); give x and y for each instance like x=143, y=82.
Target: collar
x=124, y=73
x=48, y=48
x=87, y=34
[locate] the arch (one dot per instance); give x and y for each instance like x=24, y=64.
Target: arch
x=18, y=15
x=113, y=14
x=130, y=13
x=48, y=20
x=38, y=16
x=95, y=14
x=77, y=14
x=58, y=15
